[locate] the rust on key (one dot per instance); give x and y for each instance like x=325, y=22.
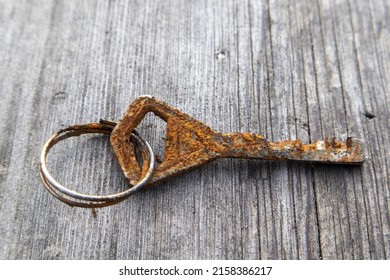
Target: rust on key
x=190, y=144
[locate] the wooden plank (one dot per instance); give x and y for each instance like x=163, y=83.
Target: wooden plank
x=285, y=69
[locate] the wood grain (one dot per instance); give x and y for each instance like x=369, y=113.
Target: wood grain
x=285, y=69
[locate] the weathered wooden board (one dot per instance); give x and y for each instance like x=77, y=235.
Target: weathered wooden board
x=286, y=69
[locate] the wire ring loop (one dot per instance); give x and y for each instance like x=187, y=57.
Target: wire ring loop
x=74, y=198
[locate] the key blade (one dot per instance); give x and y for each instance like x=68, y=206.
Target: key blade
x=326, y=151
x=247, y=145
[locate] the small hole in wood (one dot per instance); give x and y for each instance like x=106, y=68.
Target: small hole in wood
x=369, y=115
x=220, y=55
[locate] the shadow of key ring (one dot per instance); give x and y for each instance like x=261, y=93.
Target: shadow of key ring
x=74, y=198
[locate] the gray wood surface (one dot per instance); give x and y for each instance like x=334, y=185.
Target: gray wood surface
x=285, y=69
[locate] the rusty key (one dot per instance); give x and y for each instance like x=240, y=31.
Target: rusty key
x=190, y=144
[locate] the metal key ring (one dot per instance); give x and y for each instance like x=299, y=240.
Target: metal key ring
x=74, y=198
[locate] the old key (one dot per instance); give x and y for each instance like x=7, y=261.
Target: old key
x=189, y=144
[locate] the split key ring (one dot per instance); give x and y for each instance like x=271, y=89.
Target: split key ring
x=74, y=198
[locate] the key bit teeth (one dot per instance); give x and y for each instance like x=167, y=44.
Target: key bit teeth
x=330, y=143
x=353, y=150
x=357, y=147
x=350, y=143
